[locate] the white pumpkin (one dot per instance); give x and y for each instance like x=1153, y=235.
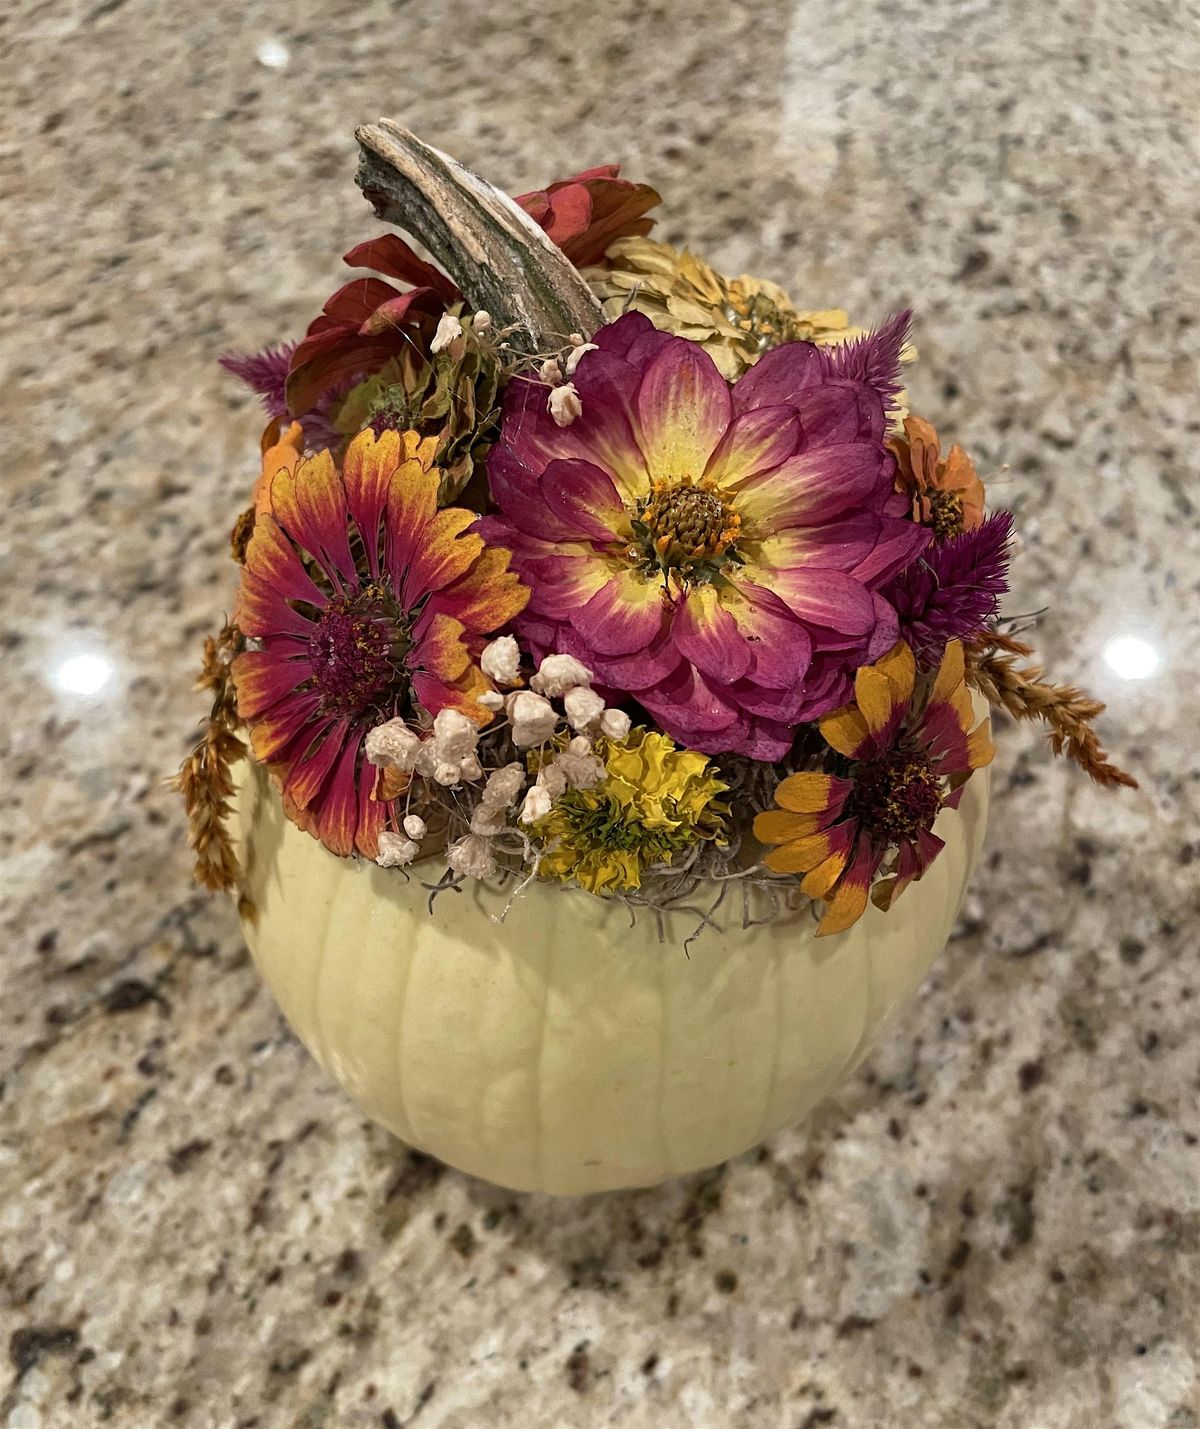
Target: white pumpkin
x=566, y=1050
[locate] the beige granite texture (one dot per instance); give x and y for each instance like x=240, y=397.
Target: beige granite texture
x=997, y=1222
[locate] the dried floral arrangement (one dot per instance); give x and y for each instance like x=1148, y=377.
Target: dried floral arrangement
x=574, y=560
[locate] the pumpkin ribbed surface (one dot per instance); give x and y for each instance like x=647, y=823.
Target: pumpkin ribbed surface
x=564, y=1050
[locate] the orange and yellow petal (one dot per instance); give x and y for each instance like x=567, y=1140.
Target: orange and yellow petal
x=778, y=826
x=309, y=502
x=488, y=596
x=811, y=793
x=846, y=731
x=849, y=900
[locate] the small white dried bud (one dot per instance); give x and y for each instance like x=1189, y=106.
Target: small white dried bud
x=503, y=786
x=454, y=736
x=501, y=660
x=614, y=724
x=559, y=673
x=471, y=856
x=491, y=700
x=550, y=371
x=581, y=771
x=579, y=745
x=395, y=851
x=583, y=706
x=534, y=719
x=470, y=769
x=536, y=805
x=552, y=779
x=448, y=773
x=564, y=405
x=576, y=353
x=415, y=826
x=487, y=820
x=482, y=320
x=394, y=745
x=448, y=329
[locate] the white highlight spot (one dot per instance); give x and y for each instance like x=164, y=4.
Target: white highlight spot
x=274, y=54
x=1131, y=657
x=83, y=674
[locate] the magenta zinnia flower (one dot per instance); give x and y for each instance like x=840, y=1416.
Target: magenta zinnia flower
x=366, y=602
x=714, y=552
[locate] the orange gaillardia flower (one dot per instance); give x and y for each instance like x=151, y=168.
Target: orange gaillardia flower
x=947, y=495
x=909, y=760
x=365, y=602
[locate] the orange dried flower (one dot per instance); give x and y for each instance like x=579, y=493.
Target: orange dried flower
x=947, y=495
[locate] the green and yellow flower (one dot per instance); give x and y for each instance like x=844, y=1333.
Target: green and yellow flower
x=654, y=802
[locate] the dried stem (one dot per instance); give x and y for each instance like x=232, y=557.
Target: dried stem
x=1066, y=711
x=204, y=778
x=497, y=255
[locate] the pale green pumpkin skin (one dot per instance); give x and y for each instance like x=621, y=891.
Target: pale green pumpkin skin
x=566, y=1051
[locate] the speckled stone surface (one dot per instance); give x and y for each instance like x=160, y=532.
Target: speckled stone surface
x=997, y=1222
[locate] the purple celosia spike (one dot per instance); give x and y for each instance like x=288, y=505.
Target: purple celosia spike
x=266, y=373
x=874, y=358
x=953, y=589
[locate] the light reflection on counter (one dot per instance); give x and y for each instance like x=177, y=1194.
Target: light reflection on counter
x=1132, y=657
x=83, y=673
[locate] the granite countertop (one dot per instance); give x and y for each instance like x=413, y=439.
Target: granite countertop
x=997, y=1221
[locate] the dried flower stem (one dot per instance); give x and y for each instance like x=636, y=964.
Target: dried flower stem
x=1067, y=711
x=203, y=778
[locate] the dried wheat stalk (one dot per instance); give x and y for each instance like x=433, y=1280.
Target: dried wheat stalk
x=1067, y=711
x=204, y=778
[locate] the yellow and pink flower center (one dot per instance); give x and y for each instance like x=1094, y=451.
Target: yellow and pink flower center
x=896, y=795
x=357, y=651
x=685, y=525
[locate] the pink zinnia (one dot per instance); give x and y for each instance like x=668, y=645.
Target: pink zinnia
x=714, y=552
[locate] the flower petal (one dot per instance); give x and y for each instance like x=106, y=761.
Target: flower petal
x=850, y=900
x=830, y=600
x=412, y=502
x=707, y=635
x=273, y=730
x=779, y=646
x=779, y=826
x=683, y=409
x=814, y=793
x=310, y=504
x=261, y=610
x=271, y=557
x=368, y=467
x=754, y=442
x=447, y=550
x=813, y=486
x=262, y=678
x=488, y=596
x=778, y=377
x=623, y=616
x=307, y=773
x=586, y=501
x=337, y=814
x=846, y=731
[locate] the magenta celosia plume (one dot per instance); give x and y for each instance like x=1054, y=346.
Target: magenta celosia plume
x=715, y=552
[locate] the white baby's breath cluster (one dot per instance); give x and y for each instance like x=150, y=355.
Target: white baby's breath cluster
x=559, y=703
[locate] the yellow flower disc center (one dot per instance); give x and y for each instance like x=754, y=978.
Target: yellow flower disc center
x=945, y=514
x=686, y=524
